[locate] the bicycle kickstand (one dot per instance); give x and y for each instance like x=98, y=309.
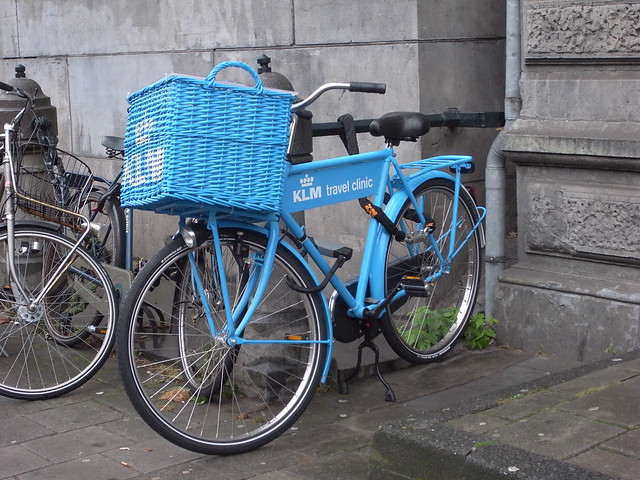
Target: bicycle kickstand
x=343, y=387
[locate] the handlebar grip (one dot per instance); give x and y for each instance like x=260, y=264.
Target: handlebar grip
x=367, y=87
x=7, y=87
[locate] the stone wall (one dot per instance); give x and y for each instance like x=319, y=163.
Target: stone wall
x=575, y=289
x=433, y=54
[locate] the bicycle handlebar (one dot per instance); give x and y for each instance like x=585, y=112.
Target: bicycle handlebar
x=368, y=87
x=21, y=93
x=365, y=87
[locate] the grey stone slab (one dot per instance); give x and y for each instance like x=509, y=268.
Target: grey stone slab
x=555, y=434
x=109, y=375
x=150, y=455
x=143, y=26
x=543, y=298
x=19, y=428
x=495, y=381
x=462, y=369
x=190, y=471
x=630, y=364
x=336, y=439
x=21, y=407
x=610, y=403
x=550, y=363
x=96, y=84
x=279, y=455
x=591, y=381
x=478, y=423
x=75, y=416
x=16, y=460
x=609, y=463
x=347, y=19
x=94, y=467
x=626, y=444
x=131, y=427
x=443, y=398
x=370, y=419
x=335, y=465
x=526, y=404
x=280, y=476
x=74, y=444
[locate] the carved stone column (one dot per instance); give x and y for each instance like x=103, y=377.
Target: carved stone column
x=575, y=288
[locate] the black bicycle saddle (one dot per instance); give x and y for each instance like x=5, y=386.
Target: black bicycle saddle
x=397, y=126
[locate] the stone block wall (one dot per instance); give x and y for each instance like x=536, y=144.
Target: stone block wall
x=433, y=54
x=575, y=289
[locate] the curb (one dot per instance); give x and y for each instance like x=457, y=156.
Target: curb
x=426, y=448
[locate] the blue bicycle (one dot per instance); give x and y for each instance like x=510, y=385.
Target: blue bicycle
x=246, y=332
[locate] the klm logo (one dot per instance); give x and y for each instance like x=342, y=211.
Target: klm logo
x=307, y=190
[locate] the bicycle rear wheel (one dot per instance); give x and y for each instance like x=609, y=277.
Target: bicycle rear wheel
x=108, y=244
x=65, y=339
x=190, y=385
x=422, y=329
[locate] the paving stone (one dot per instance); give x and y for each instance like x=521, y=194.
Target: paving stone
x=594, y=380
x=74, y=444
x=618, y=466
x=337, y=465
x=626, y=444
x=15, y=460
x=555, y=434
x=132, y=427
x=478, y=423
x=94, y=467
x=609, y=403
x=76, y=415
x=529, y=403
x=151, y=455
x=17, y=429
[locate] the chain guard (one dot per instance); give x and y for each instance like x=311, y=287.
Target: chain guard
x=347, y=329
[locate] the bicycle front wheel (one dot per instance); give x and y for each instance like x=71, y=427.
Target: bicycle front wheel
x=422, y=329
x=57, y=344
x=186, y=380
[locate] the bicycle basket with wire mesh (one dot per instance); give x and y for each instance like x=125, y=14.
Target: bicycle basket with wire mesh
x=52, y=184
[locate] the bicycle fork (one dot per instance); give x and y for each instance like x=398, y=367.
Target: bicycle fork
x=240, y=313
x=9, y=191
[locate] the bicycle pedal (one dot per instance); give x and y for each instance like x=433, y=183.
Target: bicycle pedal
x=416, y=286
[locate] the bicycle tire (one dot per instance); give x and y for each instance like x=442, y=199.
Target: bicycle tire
x=243, y=396
x=423, y=329
x=50, y=351
x=108, y=245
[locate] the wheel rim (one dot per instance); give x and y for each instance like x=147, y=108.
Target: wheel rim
x=426, y=327
x=50, y=351
x=254, y=392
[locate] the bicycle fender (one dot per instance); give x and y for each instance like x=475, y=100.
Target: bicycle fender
x=295, y=253
x=383, y=237
x=54, y=227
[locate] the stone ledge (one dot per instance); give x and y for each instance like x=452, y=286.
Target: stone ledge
x=611, y=289
x=618, y=140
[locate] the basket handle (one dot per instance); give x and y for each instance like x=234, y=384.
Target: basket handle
x=212, y=76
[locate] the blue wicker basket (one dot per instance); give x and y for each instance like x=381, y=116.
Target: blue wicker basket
x=197, y=141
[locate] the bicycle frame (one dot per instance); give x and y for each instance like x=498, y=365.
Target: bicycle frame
x=314, y=185
x=8, y=165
